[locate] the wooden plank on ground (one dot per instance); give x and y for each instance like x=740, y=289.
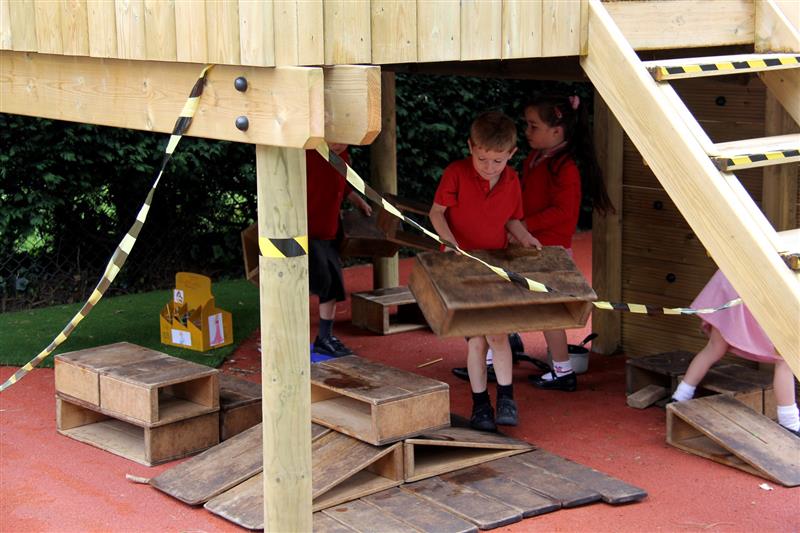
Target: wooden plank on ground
x=214, y=471
x=546, y=483
x=751, y=437
x=325, y=524
x=243, y=504
x=486, y=513
x=483, y=480
x=361, y=516
x=418, y=512
x=611, y=489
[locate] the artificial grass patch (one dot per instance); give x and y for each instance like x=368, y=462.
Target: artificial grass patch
x=132, y=318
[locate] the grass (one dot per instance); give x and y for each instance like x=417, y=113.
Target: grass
x=131, y=318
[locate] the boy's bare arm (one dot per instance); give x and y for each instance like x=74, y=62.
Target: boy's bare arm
x=355, y=199
x=440, y=223
x=522, y=235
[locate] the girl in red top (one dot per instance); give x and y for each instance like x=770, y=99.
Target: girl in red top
x=557, y=131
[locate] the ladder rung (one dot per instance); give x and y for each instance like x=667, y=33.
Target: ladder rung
x=695, y=67
x=760, y=152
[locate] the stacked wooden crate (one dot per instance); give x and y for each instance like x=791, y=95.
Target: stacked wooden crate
x=135, y=402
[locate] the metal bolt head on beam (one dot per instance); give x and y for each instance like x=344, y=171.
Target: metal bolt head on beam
x=240, y=84
x=242, y=123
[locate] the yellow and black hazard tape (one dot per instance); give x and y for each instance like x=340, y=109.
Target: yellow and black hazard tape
x=283, y=248
x=729, y=163
x=126, y=245
x=360, y=185
x=663, y=72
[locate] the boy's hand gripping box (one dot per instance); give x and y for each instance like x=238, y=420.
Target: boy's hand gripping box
x=191, y=320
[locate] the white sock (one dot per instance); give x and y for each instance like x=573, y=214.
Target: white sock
x=489, y=356
x=683, y=392
x=562, y=368
x=789, y=416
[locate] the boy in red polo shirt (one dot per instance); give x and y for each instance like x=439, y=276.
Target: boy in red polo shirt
x=325, y=190
x=478, y=202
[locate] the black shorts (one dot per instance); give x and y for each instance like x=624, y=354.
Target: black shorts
x=325, y=270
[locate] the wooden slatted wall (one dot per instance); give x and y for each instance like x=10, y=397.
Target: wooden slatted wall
x=294, y=32
x=663, y=262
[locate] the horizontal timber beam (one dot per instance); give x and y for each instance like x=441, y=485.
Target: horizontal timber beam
x=291, y=107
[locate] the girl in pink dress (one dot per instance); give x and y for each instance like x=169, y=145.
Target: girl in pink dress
x=735, y=330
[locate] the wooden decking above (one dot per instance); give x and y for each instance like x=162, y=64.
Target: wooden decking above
x=330, y=32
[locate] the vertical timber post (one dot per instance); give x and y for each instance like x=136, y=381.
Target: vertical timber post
x=285, y=363
x=779, y=187
x=607, y=230
x=383, y=168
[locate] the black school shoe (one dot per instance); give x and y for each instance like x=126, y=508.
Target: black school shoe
x=482, y=418
x=506, y=412
x=567, y=382
x=331, y=346
x=795, y=432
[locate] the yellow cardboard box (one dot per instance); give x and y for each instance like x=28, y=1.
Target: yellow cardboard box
x=192, y=320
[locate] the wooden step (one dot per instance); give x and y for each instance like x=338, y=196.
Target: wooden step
x=662, y=369
x=376, y=403
x=749, y=386
x=696, y=67
x=136, y=384
x=453, y=448
x=343, y=469
x=760, y=152
x=726, y=431
x=461, y=297
x=374, y=311
x=146, y=445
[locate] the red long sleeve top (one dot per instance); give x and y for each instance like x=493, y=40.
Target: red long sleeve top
x=551, y=202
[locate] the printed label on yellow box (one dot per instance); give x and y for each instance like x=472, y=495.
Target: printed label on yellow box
x=192, y=320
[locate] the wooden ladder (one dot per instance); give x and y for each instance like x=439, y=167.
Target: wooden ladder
x=695, y=172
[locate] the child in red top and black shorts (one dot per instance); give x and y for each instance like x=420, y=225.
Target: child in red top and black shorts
x=478, y=202
x=325, y=191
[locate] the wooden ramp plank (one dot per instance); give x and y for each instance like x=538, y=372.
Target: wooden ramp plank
x=215, y=470
x=751, y=437
x=453, y=448
x=243, y=504
x=484, y=481
x=546, y=483
x=611, y=489
x=419, y=512
x=486, y=513
x=363, y=517
x=218, y=469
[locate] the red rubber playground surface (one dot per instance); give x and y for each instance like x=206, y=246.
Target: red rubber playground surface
x=52, y=483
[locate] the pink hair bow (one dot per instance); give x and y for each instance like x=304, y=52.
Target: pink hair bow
x=574, y=101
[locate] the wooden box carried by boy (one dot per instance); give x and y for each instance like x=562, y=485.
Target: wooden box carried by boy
x=461, y=297
x=361, y=237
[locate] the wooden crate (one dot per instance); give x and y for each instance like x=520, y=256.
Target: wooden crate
x=663, y=369
x=376, y=403
x=391, y=225
x=373, y=311
x=239, y=405
x=147, y=445
x=461, y=297
x=137, y=384
x=361, y=237
x=726, y=431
